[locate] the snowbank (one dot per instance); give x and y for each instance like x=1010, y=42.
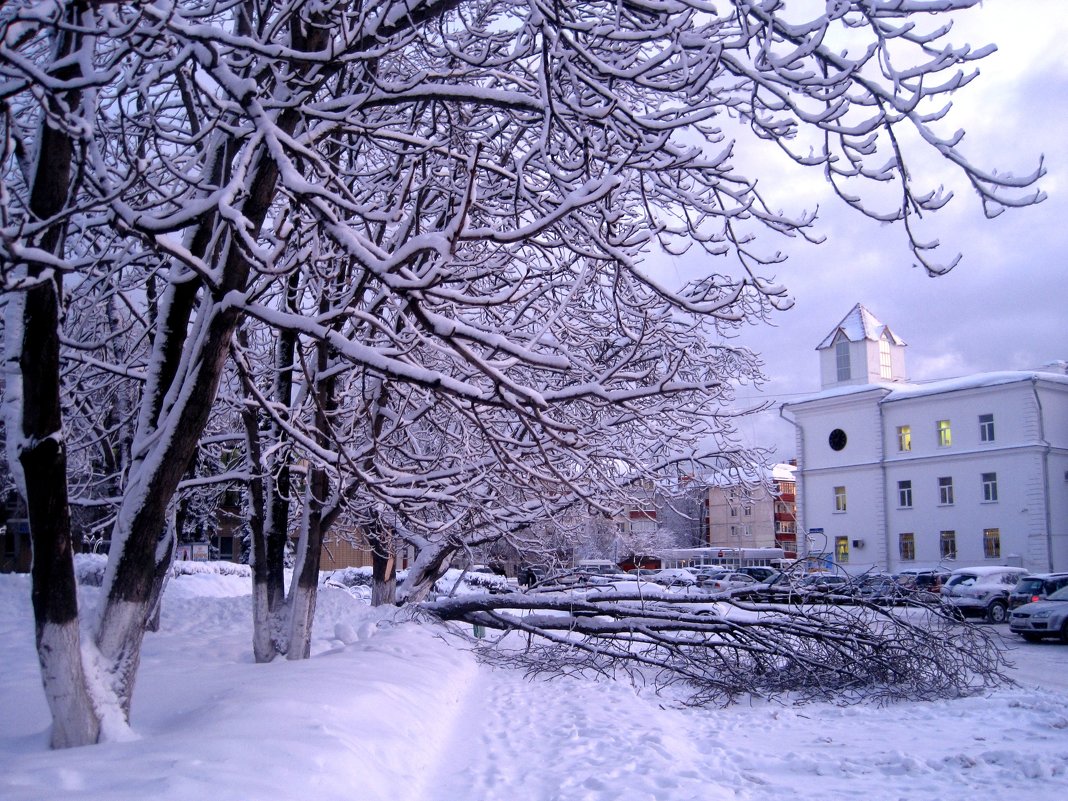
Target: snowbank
x=388, y=708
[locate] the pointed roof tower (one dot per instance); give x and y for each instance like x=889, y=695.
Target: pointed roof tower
x=861, y=350
x=858, y=325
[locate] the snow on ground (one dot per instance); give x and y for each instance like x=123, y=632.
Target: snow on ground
x=388, y=709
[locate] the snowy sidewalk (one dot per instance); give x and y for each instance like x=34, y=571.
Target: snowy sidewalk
x=391, y=712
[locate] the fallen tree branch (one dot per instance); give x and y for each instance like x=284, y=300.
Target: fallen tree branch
x=717, y=650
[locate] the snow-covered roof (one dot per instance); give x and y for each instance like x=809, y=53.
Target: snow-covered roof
x=860, y=324
x=842, y=391
x=784, y=472
x=905, y=391
x=912, y=390
x=758, y=475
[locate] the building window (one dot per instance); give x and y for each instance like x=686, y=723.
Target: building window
x=904, y=494
x=992, y=543
x=841, y=550
x=947, y=544
x=839, y=499
x=990, y=487
x=904, y=438
x=841, y=357
x=945, y=491
x=906, y=546
x=226, y=548
x=986, y=428
x=885, y=369
x=945, y=438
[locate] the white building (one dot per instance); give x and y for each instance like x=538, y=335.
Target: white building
x=966, y=471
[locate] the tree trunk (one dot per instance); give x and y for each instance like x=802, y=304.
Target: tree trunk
x=278, y=482
x=263, y=648
x=43, y=463
x=430, y=563
x=166, y=441
x=383, y=566
x=303, y=592
x=35, y=428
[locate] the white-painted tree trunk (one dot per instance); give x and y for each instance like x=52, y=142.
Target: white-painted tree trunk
x=75, y=721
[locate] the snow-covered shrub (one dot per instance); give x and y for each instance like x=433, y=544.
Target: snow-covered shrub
x=89, y=568
x=184, y=568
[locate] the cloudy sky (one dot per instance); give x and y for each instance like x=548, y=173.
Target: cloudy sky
x=1004, y=305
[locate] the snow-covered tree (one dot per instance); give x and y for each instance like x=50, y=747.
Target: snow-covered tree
x=470, y=187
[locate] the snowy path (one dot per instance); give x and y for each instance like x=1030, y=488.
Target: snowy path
x=395, y=712
x=571, y=740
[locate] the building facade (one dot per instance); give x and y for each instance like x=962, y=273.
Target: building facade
x=761, y=514
x=960, y=472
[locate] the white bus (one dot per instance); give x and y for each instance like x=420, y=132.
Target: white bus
x=725, y=557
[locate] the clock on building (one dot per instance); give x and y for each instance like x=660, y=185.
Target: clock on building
x=837, y=439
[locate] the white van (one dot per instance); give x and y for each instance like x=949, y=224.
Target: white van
x=600, y=566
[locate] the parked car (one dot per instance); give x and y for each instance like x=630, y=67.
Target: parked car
x=823, y=582
x=982, y=591
x=725, y=581
x=1034, y=588
x=879, y=588
x=646, y=573
x=705, y=572
x=1039, y=619
x=675, y=577
x=928, y=580
x=759, y=572
x=782, y=588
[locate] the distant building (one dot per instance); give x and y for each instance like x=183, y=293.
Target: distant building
x=964, y=471
x=760, y=514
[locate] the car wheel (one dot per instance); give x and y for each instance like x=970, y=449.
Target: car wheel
x=998, y=612
x=1032, y=637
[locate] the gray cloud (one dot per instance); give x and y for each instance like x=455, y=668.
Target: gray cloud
x=1004, y=306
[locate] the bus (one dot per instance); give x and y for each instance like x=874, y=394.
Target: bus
x=723, y=557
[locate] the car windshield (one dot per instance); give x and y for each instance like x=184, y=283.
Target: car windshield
x=1029, y=585
x=1059, y=595
x=962, y=579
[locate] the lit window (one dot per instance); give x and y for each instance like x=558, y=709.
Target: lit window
x=945, y=490
x=904, y=494
x=992, y=543
x=904, y=438
x=839, y=499
x=986, y=428
x=945, y=438
x=841, y=549
x=841, y=355
x=947, y=544
x=990, y=487
x=885, y=370
x=906, y=544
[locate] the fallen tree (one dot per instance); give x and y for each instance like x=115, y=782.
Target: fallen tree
x=714, y=652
